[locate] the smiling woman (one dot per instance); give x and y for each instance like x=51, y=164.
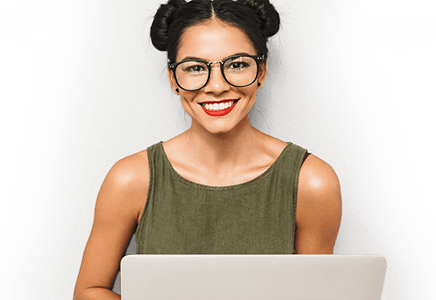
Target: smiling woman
x=216, y=88
x=222, y=186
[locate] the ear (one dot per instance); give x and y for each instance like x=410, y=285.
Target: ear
x=262, y=74
x=173, y=82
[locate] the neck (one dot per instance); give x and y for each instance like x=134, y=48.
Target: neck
x=222, y=151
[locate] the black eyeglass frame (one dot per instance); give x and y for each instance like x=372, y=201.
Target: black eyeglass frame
x=258, y=59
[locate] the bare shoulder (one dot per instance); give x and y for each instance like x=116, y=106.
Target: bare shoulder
x=130, y=170
x=317, y=177
x=119, y=204
x=127, y=183
x=319, y=207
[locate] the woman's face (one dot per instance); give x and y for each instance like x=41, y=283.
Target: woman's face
x=214, y=41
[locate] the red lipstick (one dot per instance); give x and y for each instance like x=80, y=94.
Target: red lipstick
x=219, y=113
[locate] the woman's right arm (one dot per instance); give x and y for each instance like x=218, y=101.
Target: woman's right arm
x=119, y=206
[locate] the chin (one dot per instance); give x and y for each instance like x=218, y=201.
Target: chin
x=223, y=128
x=218, y=131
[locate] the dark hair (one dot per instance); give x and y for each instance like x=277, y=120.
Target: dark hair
x=257, y=18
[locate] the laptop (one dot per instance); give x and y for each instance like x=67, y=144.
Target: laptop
x=252, y=277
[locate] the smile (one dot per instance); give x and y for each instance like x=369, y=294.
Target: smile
x=219, y=108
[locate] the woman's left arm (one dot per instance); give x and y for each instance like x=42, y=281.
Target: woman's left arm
x=319, y=208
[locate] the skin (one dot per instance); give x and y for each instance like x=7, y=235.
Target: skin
x=216, y=151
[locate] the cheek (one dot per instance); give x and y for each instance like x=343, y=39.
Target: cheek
x=251, y=92
x=187, y=101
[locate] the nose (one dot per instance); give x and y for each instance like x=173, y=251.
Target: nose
x=217, y=83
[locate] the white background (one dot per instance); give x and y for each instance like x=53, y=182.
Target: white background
x=81, y=86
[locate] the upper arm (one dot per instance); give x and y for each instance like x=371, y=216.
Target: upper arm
x=117, y=210
x=319, y=208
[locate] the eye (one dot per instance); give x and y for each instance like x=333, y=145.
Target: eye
x=237, y=65
x=193, y=68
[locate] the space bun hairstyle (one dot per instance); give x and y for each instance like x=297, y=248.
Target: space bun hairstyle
x=257, y=18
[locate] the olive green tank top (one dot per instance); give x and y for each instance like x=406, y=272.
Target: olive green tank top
x=255, y=217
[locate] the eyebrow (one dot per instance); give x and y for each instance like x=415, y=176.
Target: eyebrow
x=187, y=58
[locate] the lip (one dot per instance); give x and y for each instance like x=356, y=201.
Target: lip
x=219, y=101
x=219, y=113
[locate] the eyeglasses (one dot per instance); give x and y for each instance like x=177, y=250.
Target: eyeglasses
x=238, y=70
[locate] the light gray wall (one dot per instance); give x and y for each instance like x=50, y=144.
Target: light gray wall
x=81, y=87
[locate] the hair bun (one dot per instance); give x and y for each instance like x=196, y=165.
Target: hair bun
x=268, y=15
x=162, y=22
x=258, y=18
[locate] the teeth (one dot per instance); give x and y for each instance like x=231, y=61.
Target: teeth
x=218, y=106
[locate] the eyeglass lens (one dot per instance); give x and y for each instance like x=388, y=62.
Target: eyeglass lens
x=238, y=71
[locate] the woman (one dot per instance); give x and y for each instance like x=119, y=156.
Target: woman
x=222, y=186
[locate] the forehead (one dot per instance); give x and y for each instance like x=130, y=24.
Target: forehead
x=213, y=41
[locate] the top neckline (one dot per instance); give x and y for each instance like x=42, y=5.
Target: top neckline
x=227, y=187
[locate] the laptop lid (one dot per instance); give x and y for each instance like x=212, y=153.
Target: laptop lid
x=253, y=277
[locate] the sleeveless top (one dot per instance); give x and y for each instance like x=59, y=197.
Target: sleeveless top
x=255, y=217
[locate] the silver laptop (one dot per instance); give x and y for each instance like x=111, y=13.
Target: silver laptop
x=252, y=277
